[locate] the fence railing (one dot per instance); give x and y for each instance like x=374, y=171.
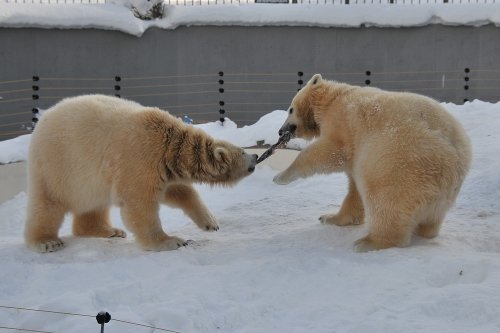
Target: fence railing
x=242, y=97
x=257, y=2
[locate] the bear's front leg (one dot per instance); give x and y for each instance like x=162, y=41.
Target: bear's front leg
x=351, y=212
x=316, y=158
x=143, y=220
x=185, y=197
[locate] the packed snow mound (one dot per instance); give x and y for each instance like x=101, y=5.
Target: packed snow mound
x=119, y=15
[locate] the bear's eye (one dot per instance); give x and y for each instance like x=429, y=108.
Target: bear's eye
x=291, y=110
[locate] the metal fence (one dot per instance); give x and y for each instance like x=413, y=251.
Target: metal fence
x=242, y=97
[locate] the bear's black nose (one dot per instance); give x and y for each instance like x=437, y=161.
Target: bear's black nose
x=280, y=132
x=251, y=169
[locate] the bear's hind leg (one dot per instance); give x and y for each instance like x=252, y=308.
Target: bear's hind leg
x=388, y=228
x=430, y=224
x=186, y=198
x=143, y=220
x=351, y=212
x=42, y=224
x=95, y=224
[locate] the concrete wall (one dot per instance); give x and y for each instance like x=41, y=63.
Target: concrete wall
x=178, y=69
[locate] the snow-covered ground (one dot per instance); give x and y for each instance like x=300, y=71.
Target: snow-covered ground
x=272, y=267
x=117, y=15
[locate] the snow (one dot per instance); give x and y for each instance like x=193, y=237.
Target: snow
x=272, y=267
x=118, y=16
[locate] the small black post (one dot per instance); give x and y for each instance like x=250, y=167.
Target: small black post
x=368, y=81
x=35, y=87
x=103, y=318
x=466, y=85
x=300, y=81
x=117, y=86
x=222, y=111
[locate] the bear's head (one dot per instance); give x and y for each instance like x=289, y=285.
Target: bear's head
x=302, y=118
x=231, y=163
x=216, y=162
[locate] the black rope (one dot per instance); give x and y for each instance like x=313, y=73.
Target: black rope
x=83, y=315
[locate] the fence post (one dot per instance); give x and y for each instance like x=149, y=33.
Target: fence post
x=222, y=111
x=103, y=318
x=35, y=87
x=368, y=81
x=466, y=86
x=300, y=81
x=117, y=86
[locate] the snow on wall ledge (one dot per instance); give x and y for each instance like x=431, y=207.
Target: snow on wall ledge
x=119, y=17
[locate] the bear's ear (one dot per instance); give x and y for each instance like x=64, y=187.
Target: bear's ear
x=315, y=79
x=221, y=153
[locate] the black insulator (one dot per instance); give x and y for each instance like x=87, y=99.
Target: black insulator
x=466, y=100
x=221, y=90
x=35, y=88
x=300, y=82
x=221, y=81
x=117, y=88
x=221, y=73
x=368, y=73
x=300, y=73
x=466, y=87
x=36, y=78
x=103, y=317
x=467, y=70
x=367, y=82
x=222, y=120
x=466, y=79
x=34, y=97
x=221, y=103
x=34, y=119
x=222, y=111
x=35, y=110
x=118, y=78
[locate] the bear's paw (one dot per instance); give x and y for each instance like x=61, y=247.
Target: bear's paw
x=47, y=246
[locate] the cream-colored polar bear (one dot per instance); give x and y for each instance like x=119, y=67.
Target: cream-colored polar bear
x=90, y=152
x=405, y=157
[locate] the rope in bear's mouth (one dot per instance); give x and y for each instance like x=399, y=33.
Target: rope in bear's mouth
x=282, y=141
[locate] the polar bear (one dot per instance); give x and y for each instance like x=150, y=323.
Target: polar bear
x=93, y=151
x=404, y=155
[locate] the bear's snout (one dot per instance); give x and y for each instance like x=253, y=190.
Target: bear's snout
x=287, y=128
x=253, y=162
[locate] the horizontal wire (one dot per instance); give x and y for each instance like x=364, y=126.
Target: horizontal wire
x=165, y=77
x=14, y=114
x=259, y=74
x=12, y=124
x=169, y=94
x=257, y=103
x=147, y=326
x=188, y=106
x=76, y=79
x=17, y=133
x=14, y=100
x=169, y=85
x=85, y=315
x=14, y=91
x=258, y=82
x=75, y=88
x=15, y=81
x=259, y=91
x=22, y=329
